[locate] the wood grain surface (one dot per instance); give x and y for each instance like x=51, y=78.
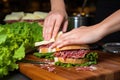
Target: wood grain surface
x=108, y=68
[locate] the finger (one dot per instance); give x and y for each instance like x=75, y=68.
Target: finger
x=49, y=28
x=64, y=36
x=65, y=26
x=57, y=26
x=56, y=42
x=63, y=42
x=59, y=40
x=54, y=45
x=44, y=27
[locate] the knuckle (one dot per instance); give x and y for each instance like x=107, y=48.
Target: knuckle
x=59, y=16
x=49, y=32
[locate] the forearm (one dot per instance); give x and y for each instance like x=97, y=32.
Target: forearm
x=111, y=24
x=57, y=5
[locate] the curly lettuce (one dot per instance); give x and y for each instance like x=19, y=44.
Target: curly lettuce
x=91, y=57
x=15, y=39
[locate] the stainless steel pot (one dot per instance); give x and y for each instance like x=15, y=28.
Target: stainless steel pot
x=77, y=21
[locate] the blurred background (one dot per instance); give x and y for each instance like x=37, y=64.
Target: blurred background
x=73, y=7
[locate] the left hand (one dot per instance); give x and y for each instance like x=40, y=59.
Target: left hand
x=53, y=22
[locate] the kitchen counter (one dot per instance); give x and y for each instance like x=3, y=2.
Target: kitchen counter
x=108, y=68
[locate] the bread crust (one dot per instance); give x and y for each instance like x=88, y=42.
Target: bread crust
x=72, y=61
x=46, y=50
x=44, y=42
x=43, y=50
x=73, y=47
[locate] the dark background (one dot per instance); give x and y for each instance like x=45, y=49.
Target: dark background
x=73, y=7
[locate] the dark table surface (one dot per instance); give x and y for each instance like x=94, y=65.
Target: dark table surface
x=15, y=75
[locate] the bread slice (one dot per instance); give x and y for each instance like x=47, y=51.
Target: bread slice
x=44, y=42
x=46, y=50
x=70, y=60
x=72, y=47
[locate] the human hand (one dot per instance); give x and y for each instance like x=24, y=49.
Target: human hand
x=81, y=35
x=55, y=20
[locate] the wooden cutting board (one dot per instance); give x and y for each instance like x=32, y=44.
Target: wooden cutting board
x=108, y=68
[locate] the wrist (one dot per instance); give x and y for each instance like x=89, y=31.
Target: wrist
x=101, y=30
x=106, y=28
x=56, y=6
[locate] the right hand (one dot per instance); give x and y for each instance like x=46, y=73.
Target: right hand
x=82, y=35
x=55, y=20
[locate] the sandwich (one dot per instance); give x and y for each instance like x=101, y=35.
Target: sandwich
x=35, y=17
x=44, y=46
x=43, y=49
x=29, y=17
x=75, y=55
x=14, y=17
x=41, y=15
x=68, y=56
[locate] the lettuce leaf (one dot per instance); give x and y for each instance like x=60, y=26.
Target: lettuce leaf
x=91, y=57
x=15, y=39
x=48, y=55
